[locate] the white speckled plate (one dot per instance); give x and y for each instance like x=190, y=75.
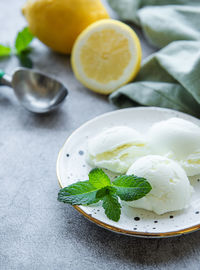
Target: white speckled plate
x=72, y=167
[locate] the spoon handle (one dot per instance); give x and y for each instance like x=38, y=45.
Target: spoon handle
x=2, y=73
x=5, y=79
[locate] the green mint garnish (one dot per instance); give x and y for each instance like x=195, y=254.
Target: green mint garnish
x=99, y=187
x=25, y=60
x=78, y=193
x=21, y=48
x=23, y=40
x=112, y=206
x=98, y=178
x=131, y=187
x=5, y=51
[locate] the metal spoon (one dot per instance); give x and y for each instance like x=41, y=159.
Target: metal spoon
x=37, y=92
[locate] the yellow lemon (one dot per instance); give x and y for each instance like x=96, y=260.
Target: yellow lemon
x=57, y=23
x=106, y=55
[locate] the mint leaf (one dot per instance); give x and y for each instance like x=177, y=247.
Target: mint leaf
x=105, y=191
x=5, y=50
x=25, y=60
x=98, y=178
x=99, y=187
x=131, y=187
x=23, y=40
x=78, y=193
x=112, y=207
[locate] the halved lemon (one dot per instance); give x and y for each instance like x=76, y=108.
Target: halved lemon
x=106, y=55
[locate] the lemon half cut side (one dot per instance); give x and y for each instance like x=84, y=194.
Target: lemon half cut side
x=106, y=55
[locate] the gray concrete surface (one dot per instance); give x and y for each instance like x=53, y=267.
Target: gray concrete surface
x=36, y=231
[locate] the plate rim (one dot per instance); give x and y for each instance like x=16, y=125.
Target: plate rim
x=111, y=227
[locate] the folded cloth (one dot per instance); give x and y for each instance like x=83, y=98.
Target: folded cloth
x=171, y=77
x=128, y=9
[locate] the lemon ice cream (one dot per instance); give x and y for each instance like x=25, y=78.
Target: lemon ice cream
x=171, y=189
x=116, y=148
x=178, y=139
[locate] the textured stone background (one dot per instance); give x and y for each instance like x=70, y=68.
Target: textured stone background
x=37, y=232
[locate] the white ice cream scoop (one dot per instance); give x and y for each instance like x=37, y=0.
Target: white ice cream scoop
x=116, y=148
x=178, y=139
x=171, y=189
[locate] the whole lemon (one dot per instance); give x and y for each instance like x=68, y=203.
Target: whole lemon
x=57, y=23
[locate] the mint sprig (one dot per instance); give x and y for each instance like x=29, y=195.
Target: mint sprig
x=99, y=187
x=98, y=178
x=5, y=51
x=21, y=48
x=79, y=193
x=112, y=206
x=131, y=187
x=23, y=40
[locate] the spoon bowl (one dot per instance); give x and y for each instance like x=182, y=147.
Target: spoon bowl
x=36, y=91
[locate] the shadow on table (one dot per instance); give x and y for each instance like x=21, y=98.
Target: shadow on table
x=49, y=120
x=54, y=120
x=134, y=250
x=5, y=102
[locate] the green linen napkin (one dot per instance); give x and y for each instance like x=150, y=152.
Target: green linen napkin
x=171, y=77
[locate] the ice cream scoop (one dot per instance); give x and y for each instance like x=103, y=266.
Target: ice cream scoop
x=178, y=139
x=116, y=148
x=171, y=189
x=36, y=92
x=191, y=164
